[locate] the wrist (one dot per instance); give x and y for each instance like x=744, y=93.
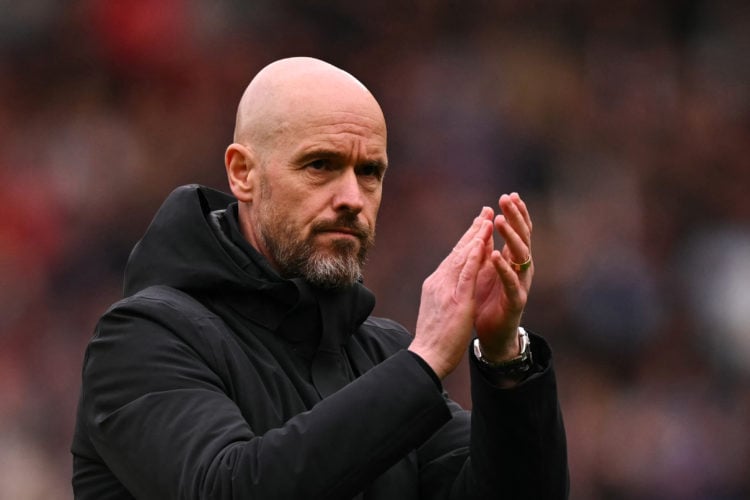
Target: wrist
x=498, y=351
x=435, y=362
x=513, y=368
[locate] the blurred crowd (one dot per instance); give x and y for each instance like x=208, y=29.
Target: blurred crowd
x=625, y=125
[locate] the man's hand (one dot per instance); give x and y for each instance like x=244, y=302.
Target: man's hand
x=477, y=286
x=502, y=291
x=447, y=307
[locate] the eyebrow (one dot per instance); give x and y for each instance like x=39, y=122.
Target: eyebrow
x=324, y=152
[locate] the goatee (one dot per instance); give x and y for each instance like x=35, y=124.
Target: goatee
x=336, y=265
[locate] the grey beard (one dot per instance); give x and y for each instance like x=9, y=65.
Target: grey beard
x=301, y=260
x=332, y=271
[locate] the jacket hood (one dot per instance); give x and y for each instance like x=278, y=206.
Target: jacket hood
x=180, y=248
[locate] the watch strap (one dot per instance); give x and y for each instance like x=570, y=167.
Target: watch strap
x=515, y=368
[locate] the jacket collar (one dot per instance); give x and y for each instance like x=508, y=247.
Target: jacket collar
x=292, y=308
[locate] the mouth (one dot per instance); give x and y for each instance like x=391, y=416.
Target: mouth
x=342, y=230
x=342, y=233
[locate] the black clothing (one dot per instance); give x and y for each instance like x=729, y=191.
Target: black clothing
x=216, y=378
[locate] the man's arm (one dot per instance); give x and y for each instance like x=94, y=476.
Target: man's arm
x=517, y=444
x=512, y=445
x=157, y=412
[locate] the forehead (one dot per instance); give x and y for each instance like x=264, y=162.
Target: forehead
x=339, y=130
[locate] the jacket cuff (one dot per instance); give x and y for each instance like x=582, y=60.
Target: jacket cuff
x=525, y=418
x=428, y=370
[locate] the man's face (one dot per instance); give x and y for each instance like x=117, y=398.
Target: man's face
x=320, y=190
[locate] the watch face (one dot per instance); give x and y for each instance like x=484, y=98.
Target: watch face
x=525, y=351
x=516, y=368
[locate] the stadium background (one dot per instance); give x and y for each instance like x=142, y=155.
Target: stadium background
x=625, y=124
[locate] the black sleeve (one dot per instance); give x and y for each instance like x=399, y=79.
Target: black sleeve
x=517, y=446
x=160, y=418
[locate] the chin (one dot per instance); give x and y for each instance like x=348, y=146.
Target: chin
x=341, y=245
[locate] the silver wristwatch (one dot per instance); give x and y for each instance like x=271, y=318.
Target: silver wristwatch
x=513, y=368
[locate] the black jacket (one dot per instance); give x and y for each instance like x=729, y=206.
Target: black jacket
x=216, y=378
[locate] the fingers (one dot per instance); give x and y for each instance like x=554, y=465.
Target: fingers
x=477, y=227
x=514, y=289
x=517, y=215
x=514, y=225
x=455, y=264
x=521, y=207
x=467, y=256
x=467, y=278
x=516, y=250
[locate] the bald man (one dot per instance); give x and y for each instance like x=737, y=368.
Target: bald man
x=243, y=361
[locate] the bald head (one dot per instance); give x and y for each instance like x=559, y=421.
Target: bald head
x=307, y=167
x=293, y=89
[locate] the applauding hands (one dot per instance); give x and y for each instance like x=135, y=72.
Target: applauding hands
x=477, y=287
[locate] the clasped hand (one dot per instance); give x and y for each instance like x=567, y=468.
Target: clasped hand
x=476, y=288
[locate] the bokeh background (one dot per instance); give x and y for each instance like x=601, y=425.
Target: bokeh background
x=624, y=124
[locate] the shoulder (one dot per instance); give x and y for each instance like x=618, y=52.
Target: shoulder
x=159, y=318
x=162, y=298
x=164, y=306
x=152, y=346
x=155, y=340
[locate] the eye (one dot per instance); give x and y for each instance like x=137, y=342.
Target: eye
x=320, y=164
x=370, y=170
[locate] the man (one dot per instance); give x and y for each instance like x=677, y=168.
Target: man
x=243, y=363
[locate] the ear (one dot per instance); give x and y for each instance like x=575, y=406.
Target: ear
x=241, y=171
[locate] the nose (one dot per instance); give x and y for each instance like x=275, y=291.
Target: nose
x=348, y=194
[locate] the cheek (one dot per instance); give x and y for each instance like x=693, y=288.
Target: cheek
x=373, y=207
x=288, y=203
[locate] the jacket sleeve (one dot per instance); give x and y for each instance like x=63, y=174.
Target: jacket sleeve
x=517, y=447
x=161, y=419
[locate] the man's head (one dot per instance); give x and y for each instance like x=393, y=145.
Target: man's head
x=307, y=166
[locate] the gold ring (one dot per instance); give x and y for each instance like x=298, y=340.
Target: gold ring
x=522, y=266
